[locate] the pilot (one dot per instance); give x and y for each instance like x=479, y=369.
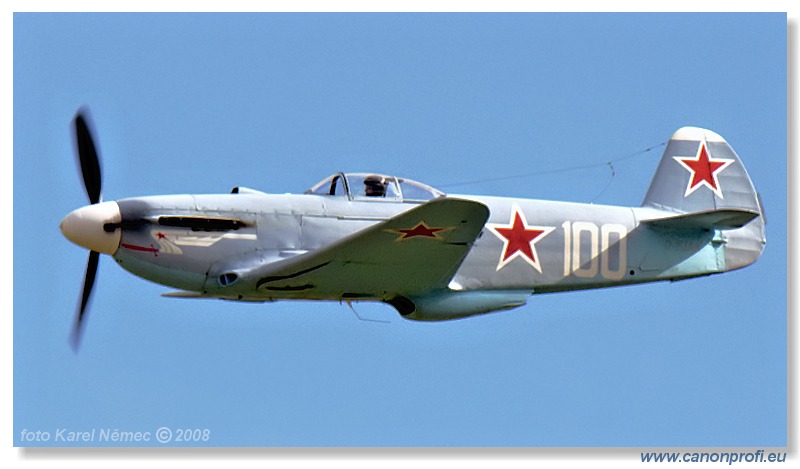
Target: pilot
x=374, y=186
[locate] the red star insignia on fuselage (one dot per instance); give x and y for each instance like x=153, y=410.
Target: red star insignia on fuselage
x=704, y=170
x=519, y=239
x=421, y=230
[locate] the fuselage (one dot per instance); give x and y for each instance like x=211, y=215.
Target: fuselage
x=526, y=245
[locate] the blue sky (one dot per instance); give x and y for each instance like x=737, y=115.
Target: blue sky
x=202, y=103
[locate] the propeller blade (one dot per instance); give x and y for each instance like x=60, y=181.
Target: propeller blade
x=88, y=284
x=87, y=156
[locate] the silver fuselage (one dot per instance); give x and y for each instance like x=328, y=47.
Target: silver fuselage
x=586, y=246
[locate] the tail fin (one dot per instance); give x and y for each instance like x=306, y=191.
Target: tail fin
x=700, y=174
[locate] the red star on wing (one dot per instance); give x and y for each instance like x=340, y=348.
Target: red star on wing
x=421, y=230
x=704, y=170
x=519, y=239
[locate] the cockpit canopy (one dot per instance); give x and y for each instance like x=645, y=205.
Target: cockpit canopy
x=370, y=186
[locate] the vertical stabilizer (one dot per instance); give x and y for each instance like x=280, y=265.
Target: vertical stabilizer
x=700, y=175
x=699, y=172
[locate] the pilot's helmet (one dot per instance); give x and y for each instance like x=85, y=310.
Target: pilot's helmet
x=374, y=186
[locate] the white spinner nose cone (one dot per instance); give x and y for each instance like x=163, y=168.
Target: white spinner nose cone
x=86, y=227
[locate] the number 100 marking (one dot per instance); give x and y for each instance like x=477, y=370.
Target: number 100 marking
x=599, y=242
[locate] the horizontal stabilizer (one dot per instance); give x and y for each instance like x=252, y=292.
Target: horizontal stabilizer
x=723, y=219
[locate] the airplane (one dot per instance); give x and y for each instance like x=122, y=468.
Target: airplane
x=432, y=256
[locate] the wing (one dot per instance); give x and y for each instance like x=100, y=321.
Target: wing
x=414, y=252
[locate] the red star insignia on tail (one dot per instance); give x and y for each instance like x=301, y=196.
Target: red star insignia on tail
x=421, y=230
x=704, y=170
x=519, y=239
